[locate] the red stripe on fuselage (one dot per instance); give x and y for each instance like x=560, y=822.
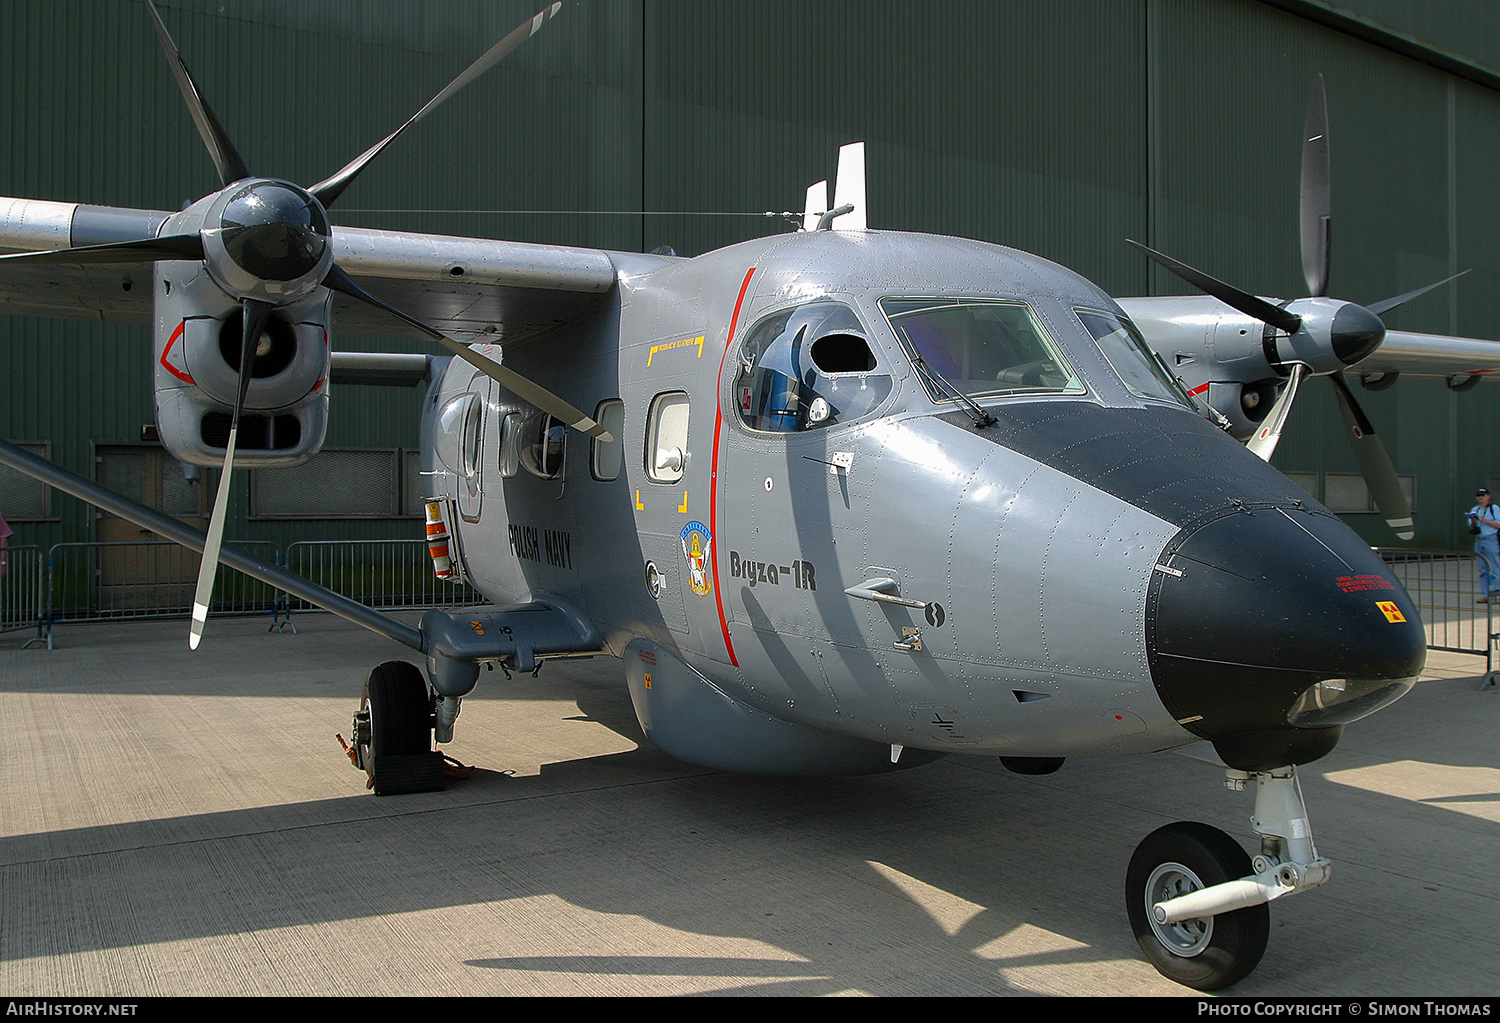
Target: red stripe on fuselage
x=713, y=490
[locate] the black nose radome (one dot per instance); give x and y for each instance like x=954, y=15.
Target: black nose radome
x=1270, y=629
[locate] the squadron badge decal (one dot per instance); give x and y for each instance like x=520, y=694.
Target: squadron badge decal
x=696, y=545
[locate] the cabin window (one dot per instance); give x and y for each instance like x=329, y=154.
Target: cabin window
x=808, y=367
x=1132, y=359
x=979, y=347
x=510, y=444
x=544, y=442
x=473, y=436
x=667, y=436
x=457, y=433
x=604, y=462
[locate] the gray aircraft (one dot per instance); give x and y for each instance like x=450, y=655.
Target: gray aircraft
x=842, y=501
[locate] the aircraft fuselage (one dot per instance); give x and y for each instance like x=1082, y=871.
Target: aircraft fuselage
x=808, y=552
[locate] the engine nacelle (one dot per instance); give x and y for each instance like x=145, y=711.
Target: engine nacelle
x=197, y=341
x=1244, y=405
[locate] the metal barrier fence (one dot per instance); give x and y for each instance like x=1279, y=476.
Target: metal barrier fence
x=22, y=592
x=1445, y=587
x=389, y=574
x=88, y=582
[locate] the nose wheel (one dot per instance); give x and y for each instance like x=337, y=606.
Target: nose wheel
x=1206, y=952
x=1198, y=904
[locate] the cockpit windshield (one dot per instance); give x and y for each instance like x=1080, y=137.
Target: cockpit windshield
x=1133, y=361
x=979, y=347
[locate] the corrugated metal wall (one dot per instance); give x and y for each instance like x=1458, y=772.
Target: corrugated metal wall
x=1013, y=121
x=1061, y=127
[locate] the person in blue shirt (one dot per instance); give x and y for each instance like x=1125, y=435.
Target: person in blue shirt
x=1486, y=519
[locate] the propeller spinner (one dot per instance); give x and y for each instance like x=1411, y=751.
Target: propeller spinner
x=270, y=240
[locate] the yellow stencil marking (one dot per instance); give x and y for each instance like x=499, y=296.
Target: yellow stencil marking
x=1391, y=611
x=683, y=506
x=638, y=505
x=684, y=343
x=648, y=680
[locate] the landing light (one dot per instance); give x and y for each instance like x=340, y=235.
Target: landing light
x=1338, y=701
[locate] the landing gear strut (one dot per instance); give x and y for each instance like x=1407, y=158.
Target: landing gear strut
x=1197, y=902
x=393, y=731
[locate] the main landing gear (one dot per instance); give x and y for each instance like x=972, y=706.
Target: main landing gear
x=1197, y=902
x=393, y=732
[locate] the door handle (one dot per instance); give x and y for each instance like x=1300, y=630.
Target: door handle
x=878, y=590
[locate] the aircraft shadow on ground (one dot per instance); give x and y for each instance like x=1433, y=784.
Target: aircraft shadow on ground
x=948, y=858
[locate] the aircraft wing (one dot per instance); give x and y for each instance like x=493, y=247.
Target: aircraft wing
x=116, y=293
x=472, y=289
x=1431, y=355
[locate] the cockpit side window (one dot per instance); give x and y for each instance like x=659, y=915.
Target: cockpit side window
x=1131, y=358
x=979, y=347
x=808, y=367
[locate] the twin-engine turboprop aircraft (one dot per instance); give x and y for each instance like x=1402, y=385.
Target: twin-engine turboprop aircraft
x=843, y=500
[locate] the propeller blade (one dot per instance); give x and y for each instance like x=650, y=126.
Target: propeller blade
x=1226, y=293
x=1381, y=308
x=329, y=189
x=231, y=168
x=1316, y=207
x=255, y=315
x=1265, y=439
x=1375, y=463
x=180, y=246
x=526, y=389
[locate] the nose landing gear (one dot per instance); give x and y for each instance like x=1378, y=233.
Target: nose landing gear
x=1205, y=952
x=1197, y=901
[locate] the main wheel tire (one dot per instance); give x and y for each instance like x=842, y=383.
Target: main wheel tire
x=400, y=716
x=1205, y=953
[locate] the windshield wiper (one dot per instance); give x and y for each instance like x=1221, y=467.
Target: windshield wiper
x=981, y=417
